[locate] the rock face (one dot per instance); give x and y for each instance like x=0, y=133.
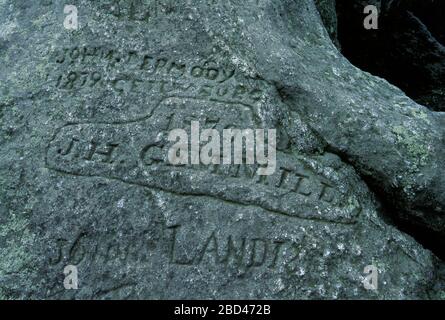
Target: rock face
x=85, y=179
x=328, y=13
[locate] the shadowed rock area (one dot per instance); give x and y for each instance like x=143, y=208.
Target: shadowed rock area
x=407, y=49
x=85, y=179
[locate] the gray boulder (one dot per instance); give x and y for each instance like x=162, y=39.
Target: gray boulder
x=85, y=180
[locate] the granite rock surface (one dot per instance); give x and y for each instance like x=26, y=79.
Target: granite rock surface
x=85, y=180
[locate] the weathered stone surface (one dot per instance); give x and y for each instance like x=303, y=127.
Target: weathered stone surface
x=328, y=13
x=395, y=143
x=84, y=179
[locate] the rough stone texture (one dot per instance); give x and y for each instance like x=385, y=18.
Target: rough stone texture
x=328, y=14
x=84, y=180
x=392, y=141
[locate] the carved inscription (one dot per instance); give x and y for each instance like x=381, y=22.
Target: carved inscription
x=237, y=251
x=177, y=246
x=135, y=72
x=136, y=153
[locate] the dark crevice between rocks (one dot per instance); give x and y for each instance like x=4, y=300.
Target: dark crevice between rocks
x=389, y=212
x=407, y=49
